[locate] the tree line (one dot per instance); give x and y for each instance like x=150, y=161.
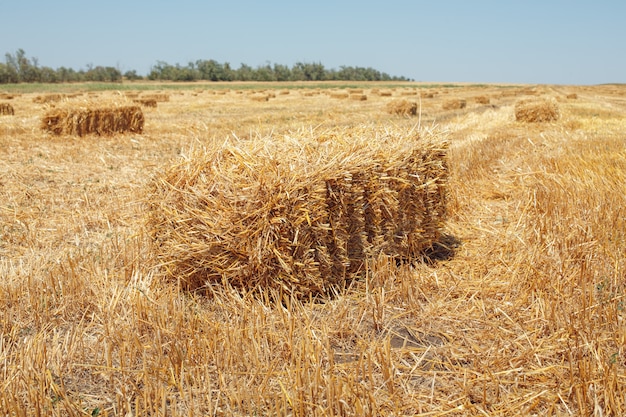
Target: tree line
x=18, y=68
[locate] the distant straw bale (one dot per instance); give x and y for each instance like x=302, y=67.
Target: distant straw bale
x=572, y=96
x=146, y=102
x=481, y=100
x=385, y=93
x=402, y=107
x=158, y=97
x=358, y=97
x=6, y=109
x=259, y=97
x=536, y=111
x=7, y=96
x=302, y=214
x=49, y=98
x=339, y=94
x=455, y=104
x=89, y=119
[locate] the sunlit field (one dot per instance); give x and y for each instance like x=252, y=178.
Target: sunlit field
x=519, y=309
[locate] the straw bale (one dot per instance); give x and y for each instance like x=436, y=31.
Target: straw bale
x=259, y=97
x=339, y=94
x=159, y=97
x=358, y=97
x=6, y=109
x=48, y=98
x=481, y=100
x=403, y=107
x=7, y=96
x=536, y=111
x=299, y=214
x=572, y=96
x=386, y=93
x=455, y=104
x=146, y=102
x=84, y=120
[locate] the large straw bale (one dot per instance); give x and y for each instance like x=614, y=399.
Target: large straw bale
x=402, y=107
x=302, y=214
x=536, y=111
x=93, y=119
x=6, y=109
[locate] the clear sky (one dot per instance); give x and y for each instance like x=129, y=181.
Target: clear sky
x=482, y=41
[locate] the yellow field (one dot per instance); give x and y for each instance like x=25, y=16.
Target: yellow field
x=522, y=314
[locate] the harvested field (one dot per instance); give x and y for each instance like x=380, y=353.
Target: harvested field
x=513, y=305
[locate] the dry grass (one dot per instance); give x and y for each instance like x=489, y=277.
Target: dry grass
x=518, y=309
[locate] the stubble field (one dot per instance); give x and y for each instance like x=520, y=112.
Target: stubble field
x=521, y=311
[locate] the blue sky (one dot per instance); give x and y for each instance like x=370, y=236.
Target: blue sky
x=549, y=41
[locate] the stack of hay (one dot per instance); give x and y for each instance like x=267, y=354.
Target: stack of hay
x=536, y=111
x=146, y=102
x=6, y=109
x=402, y=107
x=85, y=118
x=455, y=104
x=302, y=214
